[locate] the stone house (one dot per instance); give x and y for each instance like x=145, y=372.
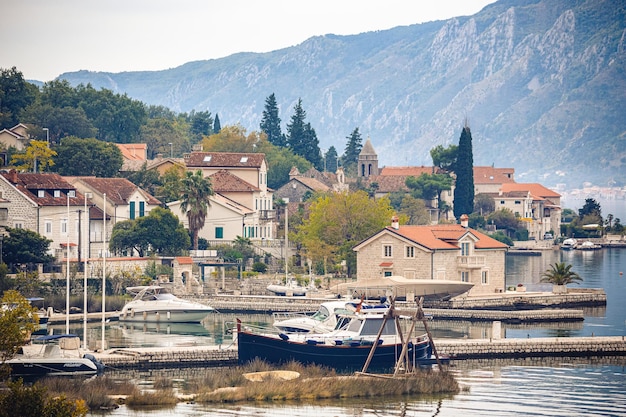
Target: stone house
x=46, y=204
x=299, y=186
x=446, y=251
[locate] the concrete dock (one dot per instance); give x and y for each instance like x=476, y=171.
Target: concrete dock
x=456, y=349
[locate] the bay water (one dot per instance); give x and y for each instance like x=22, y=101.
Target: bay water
x=550, y=387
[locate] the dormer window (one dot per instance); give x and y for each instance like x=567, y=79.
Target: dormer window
x=57, y=193
x=41, y=193
x=244, y=159
x=207, y=158
x=71, y=193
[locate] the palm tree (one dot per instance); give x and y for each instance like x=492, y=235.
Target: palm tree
x=195, y=193
x=560, y=274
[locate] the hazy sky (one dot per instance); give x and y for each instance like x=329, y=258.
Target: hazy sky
x=45, y=38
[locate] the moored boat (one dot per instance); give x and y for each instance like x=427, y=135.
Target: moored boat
x=369, y=335
x=588, y=245
x=403, y=288
x=56, y=355
x=155, y=304
x=323, y=320
x=569, y=244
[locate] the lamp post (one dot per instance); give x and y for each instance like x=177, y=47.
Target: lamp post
x=171, y=150
x=47, y=136
x=1, y=239
x=67, y=267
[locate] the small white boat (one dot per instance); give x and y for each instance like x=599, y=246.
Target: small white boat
x=56, y=355
x=403, y=288
x=588, y=245
x=155, y=304
x=324, y=320
x=569, y=244
x=289, y=288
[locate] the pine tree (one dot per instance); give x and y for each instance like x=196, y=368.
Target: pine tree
x=216, y=124
x=270, y=123
x=350, y=156
x=464, y=170
x=302, y=138
x=330, y=160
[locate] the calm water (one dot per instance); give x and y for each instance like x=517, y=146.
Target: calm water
x=557, y=387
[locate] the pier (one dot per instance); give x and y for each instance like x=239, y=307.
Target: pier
x=456, y=349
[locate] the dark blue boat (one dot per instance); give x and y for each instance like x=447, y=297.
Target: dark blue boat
x=347, y=348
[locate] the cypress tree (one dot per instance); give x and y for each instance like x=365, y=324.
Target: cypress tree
x=464, y=169
x=216, y=124
x=353, y=148
x=330, y=160
x=270, y=123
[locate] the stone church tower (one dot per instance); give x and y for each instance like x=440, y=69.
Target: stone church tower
x=368, y=161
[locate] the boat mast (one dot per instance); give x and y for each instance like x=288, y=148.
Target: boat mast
x=104, y=277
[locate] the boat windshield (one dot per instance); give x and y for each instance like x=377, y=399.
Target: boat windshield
x=321, y=314
x=372, y=327
x=164, y=296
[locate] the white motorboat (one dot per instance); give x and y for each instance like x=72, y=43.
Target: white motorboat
x=54, y=355
x=569, y=244
x=155, y=304
x=403, y=288
x=289, y=288
x=323, y=320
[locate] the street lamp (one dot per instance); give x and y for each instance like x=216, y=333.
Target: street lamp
x=171, y=150
x=47, y=135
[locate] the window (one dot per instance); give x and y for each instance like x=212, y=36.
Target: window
x=219, y=233
x=387, y=273
x=410, y=252
x=518, y=202
x=501, y=202
x=71, y=193
x=48, y=227
x=131, y=208
x=387, y=251
x=41, y=193
x=64, y=226
x=244, y=159
x=465, y=249
x=57, y=193
x=484, y=277
x=142, y=208
x=465, y=276
x=207, y=158
x=19, y=225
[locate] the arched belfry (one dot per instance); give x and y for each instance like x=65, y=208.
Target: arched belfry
x=368, y=161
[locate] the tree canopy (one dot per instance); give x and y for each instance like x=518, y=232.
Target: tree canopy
x=195, y=200
x=15, y=94
x=17, y=320
x=22, y=246
x=87, y=157
x=160, y=232
x=350, y=156
x=270, y=123
x=37, y=157
x=560, y=274
x=464, y=170
x=338, y=221
x=302, y=138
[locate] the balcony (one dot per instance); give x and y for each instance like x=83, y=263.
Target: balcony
x=471, y=262
x=267, y=215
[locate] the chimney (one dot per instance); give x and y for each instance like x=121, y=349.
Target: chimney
x=12, y=177
x=395, y=222
x=464, y=220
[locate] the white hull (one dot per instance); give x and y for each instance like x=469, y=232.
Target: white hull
x=154, y=305
x=401, y=287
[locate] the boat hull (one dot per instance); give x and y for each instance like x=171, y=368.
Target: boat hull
x=36, y=367
x=164, y=316
x=342, y=357
x=403, y=288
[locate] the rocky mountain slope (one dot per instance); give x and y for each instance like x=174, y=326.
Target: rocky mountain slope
x=542, y=83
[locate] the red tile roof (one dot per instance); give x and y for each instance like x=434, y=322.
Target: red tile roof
x=224, y=160
x=537, y=190
x=223, y=181
x=30, y=184
x=445, y=236
x=118, y=190
x=491, y=175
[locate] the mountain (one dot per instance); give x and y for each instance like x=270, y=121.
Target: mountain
x=541, y=82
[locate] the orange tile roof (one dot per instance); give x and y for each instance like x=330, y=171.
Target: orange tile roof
x=133, y=151
x=223, y=181
x=491, y=175
x=535, y=189
x=224, y=160
x=445, y=236
x=407, y=171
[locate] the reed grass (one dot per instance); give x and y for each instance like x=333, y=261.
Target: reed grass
x=161, y=398
x=96, y=392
